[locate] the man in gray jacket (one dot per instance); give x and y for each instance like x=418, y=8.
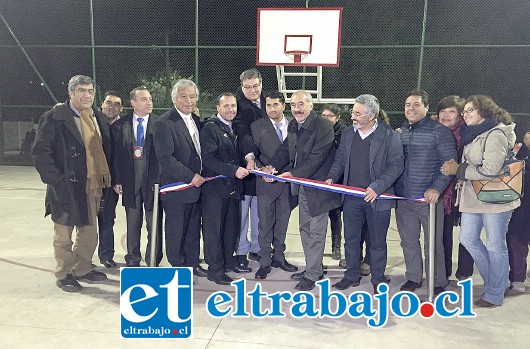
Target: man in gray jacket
x=369, y=156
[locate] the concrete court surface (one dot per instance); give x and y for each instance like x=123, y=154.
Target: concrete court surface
x=34, y=313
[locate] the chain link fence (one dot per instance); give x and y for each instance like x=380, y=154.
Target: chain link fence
x=388, y=47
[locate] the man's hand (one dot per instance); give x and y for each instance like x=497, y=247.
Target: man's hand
x=118, y=189
x=370, y=195
x=431, y=196
x=251, y=164
x=449, y=168
x=285, y=174
x=197, y=180
x=241, y=173
x=329, y=181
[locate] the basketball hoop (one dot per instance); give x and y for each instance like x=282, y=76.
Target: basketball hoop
x=297, y=56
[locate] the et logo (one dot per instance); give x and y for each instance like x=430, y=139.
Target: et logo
x=156, y=302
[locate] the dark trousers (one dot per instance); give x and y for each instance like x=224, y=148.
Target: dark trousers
x=221, y=220
x=365, y=240
x=272, y=226
x=335, y=222
x=106, y=217
x=182, y=233
x=135, y=217
x=356, y=212
x=517, y=256
x=449, y=223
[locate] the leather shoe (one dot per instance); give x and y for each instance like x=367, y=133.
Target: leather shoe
x=387, y=281
x=253, y=256
x=301, y=275
x=263, y=272
x=484, y=303
x=69, y=284
x=242, y=269
x=108, y=263
x=200, y=271
x=346, y=283
x=93, y=276
x=305, y=285
x=133, y=264
x=222, y=279
x=288, y=267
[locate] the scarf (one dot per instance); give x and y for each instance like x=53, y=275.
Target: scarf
x=96, y=163
x=469, y=133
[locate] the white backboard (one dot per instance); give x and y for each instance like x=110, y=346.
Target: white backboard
x=313, y=31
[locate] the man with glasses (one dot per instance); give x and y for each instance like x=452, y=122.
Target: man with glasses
x=370, y=156
x=71, y=149
x=250, y=107
x=427, y=144
x=135, y=172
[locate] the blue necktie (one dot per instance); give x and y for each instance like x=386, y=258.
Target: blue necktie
x=279, y=131
x=140, y=133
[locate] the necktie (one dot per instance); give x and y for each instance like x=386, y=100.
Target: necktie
x=256, y=103
x=140, y=133
x=279, y=131
x=194, y=136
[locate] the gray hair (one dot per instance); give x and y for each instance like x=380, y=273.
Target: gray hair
x=307, y=96
x=250, y=74
x=370, y=102
x=182, y=83
x=79, y=80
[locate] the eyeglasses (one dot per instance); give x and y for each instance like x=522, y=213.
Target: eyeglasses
x=468, y=111
x=85, y=90
x=253, y=87
x=356, y=114
x=327, y=116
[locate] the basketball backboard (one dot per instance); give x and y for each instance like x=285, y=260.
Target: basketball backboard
x=299, y=36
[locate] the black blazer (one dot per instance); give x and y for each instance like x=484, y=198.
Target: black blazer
x=179, y=161
x=220, y=156
x=313, y=149
x=267, y=142
x=247, y=113
x=123, y=163
x=60, y=159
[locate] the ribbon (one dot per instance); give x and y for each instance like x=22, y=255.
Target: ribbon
x=179, y=186
x=336, y=188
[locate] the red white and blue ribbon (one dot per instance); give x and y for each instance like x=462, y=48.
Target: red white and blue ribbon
x=336, y=188
x=168, y=188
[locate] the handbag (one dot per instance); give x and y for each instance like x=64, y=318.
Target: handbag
x=507, y=186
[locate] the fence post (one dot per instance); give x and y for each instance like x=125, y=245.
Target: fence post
x=432, y=232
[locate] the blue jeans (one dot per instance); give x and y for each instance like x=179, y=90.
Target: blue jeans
x=491, y=259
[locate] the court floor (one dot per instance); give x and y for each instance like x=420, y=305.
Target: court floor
x=36, y=314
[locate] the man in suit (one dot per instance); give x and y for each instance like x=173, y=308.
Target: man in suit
x=221, y=200
x=135, y=171
x=369, y=156
x=273, y=198
x=70, y=151
x=111, y=107
x=308, y=153
x=250, y=107
x=176, y=141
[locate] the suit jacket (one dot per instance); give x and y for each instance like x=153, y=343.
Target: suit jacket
x=60, y=159
x=386, y=162
x=247, y=113
x=179, y=161
x=267, y=142
x=123, y=162
x=220, y=156
x=309, y=153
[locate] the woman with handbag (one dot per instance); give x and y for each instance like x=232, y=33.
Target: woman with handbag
x=487, y=137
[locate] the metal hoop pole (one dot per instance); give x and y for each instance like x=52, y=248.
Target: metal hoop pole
x=432, y=232
x=154, y=224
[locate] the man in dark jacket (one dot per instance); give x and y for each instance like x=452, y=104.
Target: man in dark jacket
x=70, y=151
x=250, y=107
x=176, y=140
x=308, y=153
x=111, y=107
x=369, y=156
x=135, y=171
x=221, y=198
x=427, y=144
